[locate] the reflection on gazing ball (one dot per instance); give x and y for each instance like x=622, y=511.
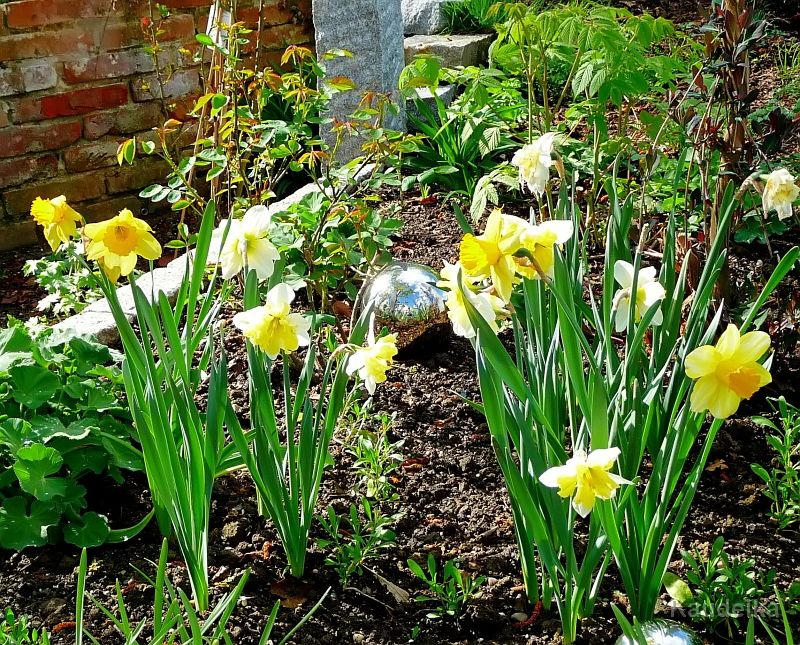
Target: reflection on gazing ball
x=405, y=299
x=664, y=632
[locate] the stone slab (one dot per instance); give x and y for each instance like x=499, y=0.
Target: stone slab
x=372, y=30
x=453, y=50
x=423, y=17
x=447, y=94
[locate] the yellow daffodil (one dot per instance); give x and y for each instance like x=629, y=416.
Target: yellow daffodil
x=780, y=193
x=245, y=245
x=57, y=218
x=372, y=361
x=540, y=242
x=649, y=291
x=585, y=478
x=727, y=372
x=118, y=242
x=491, y=255
x=487, y=305
x=273, y=327
x=533, y=162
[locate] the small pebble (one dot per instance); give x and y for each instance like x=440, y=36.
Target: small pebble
x=519, y=617
x=358, y=637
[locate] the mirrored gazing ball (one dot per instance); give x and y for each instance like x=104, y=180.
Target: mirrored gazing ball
x=664, y=632
x=404, y=299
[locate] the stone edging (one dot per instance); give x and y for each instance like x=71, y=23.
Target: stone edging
x=98, y=321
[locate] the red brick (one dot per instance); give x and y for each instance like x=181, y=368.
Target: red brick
x=45, y=43
x=37, y=138
x=70, y=103
x=91, y=156
x=113, y=65
x=38, y=13
x=276, y=12
x=124, y=120
x=4, y=120
x=77, y=188
x=118, y=35
x=179, y=83
x=11, y=82
x=142, y=173
x=14, y=172
x=281, y=36
x=185, y=4
x=110, y=207
x=16, y=234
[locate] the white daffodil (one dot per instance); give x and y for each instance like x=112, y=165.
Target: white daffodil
x=649, y=291
x=534, y=161
x=780, y=193
x=245, y=245
x=585, y=478
x=487, y=305
x=273, y=327
x=372, y=361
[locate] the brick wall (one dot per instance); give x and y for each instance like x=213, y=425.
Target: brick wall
x=77, y=78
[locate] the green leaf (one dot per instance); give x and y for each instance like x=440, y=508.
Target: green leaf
x=44, y=429
x=91, y=530
x=89, y=354
x=35, y=464
x=15, y=346
x=33, y=385
x=677, y=589
x=20, y=529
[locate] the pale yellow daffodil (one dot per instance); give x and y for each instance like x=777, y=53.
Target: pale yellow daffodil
x=540, y=241
x=649, y=291
x=246, y=244
x=780, y=193
x=117, y=243
x=273, y=327
x=57, y=219
x=533, y=162
x=585, y=478
x=727, y=372
x=487, y=305
x=372, y=361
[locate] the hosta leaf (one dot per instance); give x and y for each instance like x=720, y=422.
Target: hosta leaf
x=90, y=530
x=20, y=528
x=33, y=385
x=34, y=467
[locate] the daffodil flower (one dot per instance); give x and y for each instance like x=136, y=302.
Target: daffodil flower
x=117, y=243
x=727, y=372
x=585, y=478
x=649, y=291
x=780, y=193
x=487, y=305
x=491, y=255
x=245, y=245
x=273, y=327
x=372, y=361
x=533, y=162
x=57, y=218
x=540, y=241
